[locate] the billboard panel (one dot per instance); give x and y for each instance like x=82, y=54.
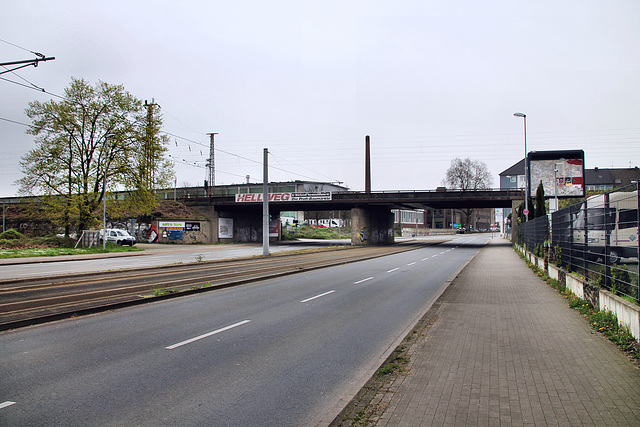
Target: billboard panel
x=560, y=172
x=225, y=228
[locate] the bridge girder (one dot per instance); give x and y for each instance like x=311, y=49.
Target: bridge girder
x=377, y=200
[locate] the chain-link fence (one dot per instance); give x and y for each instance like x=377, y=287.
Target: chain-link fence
x=596, y=238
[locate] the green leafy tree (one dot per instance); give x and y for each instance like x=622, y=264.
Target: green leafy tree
x=91, y=138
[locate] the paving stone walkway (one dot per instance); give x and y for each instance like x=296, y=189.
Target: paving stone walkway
x=504, y=348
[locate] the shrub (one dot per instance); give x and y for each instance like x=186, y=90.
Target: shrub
x=557, y=256
x=11, y=234
x=623, y=280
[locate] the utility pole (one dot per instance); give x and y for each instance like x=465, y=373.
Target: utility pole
x=147, y=149
x=211, y=163
x=265, y=203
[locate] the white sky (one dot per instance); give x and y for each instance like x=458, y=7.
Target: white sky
x=427, y=80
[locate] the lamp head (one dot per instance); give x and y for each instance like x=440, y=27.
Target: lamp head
x=519, y=114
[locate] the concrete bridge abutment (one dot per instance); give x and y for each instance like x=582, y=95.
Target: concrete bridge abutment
x=371, y=227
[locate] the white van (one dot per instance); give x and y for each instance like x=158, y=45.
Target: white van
x=118, y=236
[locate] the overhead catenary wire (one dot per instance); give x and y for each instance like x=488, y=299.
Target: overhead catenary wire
x=434, y=148
x=23, y=48
x=194, y=164
x=626, y=140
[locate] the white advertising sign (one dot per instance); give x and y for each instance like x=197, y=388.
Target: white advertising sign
x=225, y=228
x=283, y=197
x=172, y=224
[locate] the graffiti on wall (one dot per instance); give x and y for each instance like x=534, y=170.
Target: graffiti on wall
x=175, y=235
x=363, y=234
x=149, y=232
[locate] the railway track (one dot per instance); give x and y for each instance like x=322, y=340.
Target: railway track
x=26, y=302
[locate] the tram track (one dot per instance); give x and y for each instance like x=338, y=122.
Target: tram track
x=30, y=301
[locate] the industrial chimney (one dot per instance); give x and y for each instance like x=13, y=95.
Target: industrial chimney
x=367, y=165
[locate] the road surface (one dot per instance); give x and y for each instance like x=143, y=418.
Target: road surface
x=287, y=351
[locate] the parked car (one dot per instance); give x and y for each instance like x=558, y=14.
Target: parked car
x=117, y=236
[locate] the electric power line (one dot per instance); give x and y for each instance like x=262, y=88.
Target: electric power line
x=23, y=48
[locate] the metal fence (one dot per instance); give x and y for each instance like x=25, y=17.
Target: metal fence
x=596, y=238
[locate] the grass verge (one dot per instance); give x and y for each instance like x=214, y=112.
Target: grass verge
x=37, y=252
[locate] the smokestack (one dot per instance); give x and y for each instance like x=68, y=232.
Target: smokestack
x=367, y=165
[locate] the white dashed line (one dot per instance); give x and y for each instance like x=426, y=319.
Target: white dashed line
x=7, y=403
x=363, y=280
x=217, y=331
x=411, y=263
x=317, y=296
x=392, y=270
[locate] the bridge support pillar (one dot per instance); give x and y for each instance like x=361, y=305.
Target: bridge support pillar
x=371, y=227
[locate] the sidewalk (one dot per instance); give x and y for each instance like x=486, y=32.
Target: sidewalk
x=501, y=347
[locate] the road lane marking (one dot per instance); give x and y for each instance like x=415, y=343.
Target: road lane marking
x=425, y=259
x=7, y=403
x=317, y=296
x=363, y=280
x=208, y=334
x=392, y=270
x=411, y=263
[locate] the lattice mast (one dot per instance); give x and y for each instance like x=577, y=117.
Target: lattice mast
x=210, y=183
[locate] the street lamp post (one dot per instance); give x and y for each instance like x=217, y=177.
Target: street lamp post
x=526, y=181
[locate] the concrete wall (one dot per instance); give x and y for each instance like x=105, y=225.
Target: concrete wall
x=627, y=314
x=247, y=226
x=184, y=236
x=371, y=227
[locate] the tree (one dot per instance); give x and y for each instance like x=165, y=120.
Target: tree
x=92, y=137
x=469, y=175
x=541, y=207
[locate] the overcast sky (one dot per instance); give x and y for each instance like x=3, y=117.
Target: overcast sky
x=427, y=80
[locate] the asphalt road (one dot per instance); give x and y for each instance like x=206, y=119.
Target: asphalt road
x=287, y=351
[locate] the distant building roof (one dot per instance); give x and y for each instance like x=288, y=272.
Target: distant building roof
x=517, y=169
x=622, y=177
x=598, y=177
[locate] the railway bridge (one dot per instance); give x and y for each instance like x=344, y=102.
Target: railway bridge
x=240, y=215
